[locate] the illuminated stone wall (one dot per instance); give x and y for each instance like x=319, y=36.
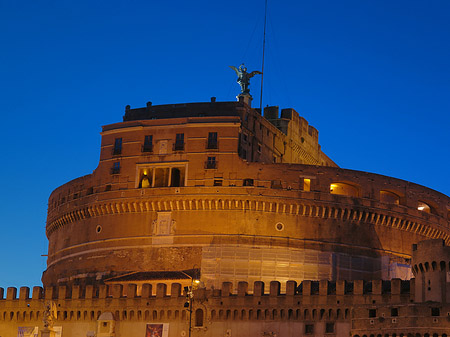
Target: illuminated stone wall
x=167, y=203
x=338, y=308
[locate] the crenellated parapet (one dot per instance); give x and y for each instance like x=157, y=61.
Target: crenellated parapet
x=306, y=293
x=344, y=307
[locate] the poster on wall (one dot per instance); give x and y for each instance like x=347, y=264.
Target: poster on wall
x=157, y=330
x=58, y=331
x=28, y=331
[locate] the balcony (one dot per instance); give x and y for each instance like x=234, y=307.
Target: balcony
x=147, y=148
x=178, y=146
x=210, y=165
x=117, y=151
x=115, y=170
x=212, y=145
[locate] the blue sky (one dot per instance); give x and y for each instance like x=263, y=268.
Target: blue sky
x=372, y=76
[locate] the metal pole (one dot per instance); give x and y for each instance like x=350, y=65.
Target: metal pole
x=263, y=52
x=191, y=299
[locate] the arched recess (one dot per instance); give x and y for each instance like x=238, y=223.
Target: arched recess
x=389, y=197
x=199, y=317
x=344, y=188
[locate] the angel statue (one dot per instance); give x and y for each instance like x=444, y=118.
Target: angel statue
x=244, y=77
x=49, y=315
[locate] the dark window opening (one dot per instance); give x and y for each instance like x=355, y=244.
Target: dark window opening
x=329, y=328
x=117, y=146
x=248, y=182
x=148, y=144
x=218, y=182
x=211, y=163
x=179, y=142
x=309, y=329
x=372, y=313
x=90, y=190
x=435, y=312
x=212, y=140
x=116, y=168
x=175, y=179
x=108, y=188
x=394, y=312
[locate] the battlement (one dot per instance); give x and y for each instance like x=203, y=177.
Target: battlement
x=174, y=290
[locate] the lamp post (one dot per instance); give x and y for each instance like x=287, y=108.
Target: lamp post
x=190, y=298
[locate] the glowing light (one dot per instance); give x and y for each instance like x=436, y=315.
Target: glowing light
x=421, y=208
x=196, y=281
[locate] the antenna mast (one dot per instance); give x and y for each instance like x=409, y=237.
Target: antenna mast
x=263, y=52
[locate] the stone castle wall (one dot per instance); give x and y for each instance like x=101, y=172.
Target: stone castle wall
x=233, y=215
x=311, y=308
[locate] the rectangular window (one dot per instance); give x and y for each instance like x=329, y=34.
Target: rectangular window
x=394, y=312
x=179, y=142
x=116, y=168
x=372, y=313
x=435, y=312
x=309, y=329
x=276, y=184
x=306, y=185
x=329, y=327
x=212, y=140
x=211, y=163
x=218, y=182
x=117, y=146
x=248, y=182
x=148, y=144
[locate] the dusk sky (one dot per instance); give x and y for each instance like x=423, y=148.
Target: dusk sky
x=372, y=76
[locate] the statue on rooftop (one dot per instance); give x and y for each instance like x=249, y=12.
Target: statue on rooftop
x=244, y=78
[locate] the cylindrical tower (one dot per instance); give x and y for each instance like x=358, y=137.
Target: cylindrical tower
x=218, y=186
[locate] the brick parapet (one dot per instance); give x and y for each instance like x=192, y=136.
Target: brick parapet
x=314, y=290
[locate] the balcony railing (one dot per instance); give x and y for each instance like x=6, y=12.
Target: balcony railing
x=210, y=165
x=116, y=151
x=147, y=148
x=212, y=145
x=178, y=146
x=115, y=170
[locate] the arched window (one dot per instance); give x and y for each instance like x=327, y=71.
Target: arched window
x=199, y=317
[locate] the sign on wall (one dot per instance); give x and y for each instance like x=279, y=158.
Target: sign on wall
x=28, y=331
x=157, y=330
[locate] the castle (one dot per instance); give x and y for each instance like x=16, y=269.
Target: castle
x=279, y=240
